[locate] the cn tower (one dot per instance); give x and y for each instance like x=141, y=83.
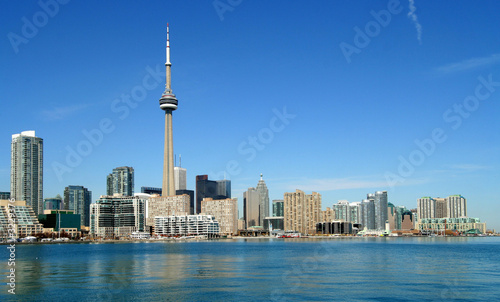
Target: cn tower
x=168, y=103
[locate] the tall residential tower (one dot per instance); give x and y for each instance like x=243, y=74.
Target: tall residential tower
x=26, y=170
x=168, y=103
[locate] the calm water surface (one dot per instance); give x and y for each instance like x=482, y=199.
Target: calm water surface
x=359, y=269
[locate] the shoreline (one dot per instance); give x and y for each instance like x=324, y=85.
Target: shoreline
x=309, y=238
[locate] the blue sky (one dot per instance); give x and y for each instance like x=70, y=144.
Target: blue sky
x=343, y=98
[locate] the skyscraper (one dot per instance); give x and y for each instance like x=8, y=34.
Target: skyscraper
x=456, y=206
x=380, y=209
x=205, y=188
x=168, y=103
x=453, y=206
x=224, y=188
x=368, y=212
x=180, y=175
x=78, y=200
x=263, y=200
x=121, y=181
x=26, y=170
x=302, y=212
x=251, y=207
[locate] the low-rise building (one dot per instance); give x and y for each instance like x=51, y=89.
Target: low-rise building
x=21, y=216
x=460, y=225
x=186, y=225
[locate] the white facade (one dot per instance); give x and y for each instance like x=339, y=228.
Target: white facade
x=180, y=178
x=190, y=225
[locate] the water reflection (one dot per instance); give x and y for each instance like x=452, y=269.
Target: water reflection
x=296, y=269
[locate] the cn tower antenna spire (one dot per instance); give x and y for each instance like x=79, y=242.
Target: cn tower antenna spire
x=168, y=46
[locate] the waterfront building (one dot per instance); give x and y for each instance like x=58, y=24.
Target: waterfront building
x=4, y=195
x=380, y=202
x=60, y=220
x=368, y=212
x=225, y=211
x=302, y=212
x=54, y=203
x=278, y=208
x=456, y=206
x=355, y=212
x=166, y=206
x=251, y=207
x=453, y=206
x=342, y=210
x=180, y=177
x=186, y=225
x=441, y=208
x=78, y=200
x=121, y=181
x=461, y=224
x=26, y=170
x=277, y=223
x=26, y=221
x=151, y=190
x=109, y=185
x=256, y=204
x=334, y=227
x=191, y=198
x=117, y=216
x=328, y=215
x=263, y=200
x=407, y=220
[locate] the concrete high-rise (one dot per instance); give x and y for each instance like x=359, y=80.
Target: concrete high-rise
x=380, y=209
x=205, y=188
x=225, y=212
x=78, y=200
x=180, y=177
x=26, y=170
x=302, y=212
x=263, y=200
x=456, y=206
x=168, y=103
x=121, y=182
x=251, y=207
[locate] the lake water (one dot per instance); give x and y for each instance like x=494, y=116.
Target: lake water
x=357, y=269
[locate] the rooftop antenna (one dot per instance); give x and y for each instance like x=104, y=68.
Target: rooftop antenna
x=180, y=161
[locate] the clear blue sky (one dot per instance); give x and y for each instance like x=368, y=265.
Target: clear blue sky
x=359, y=102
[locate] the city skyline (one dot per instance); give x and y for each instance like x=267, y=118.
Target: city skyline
x=357, y=117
